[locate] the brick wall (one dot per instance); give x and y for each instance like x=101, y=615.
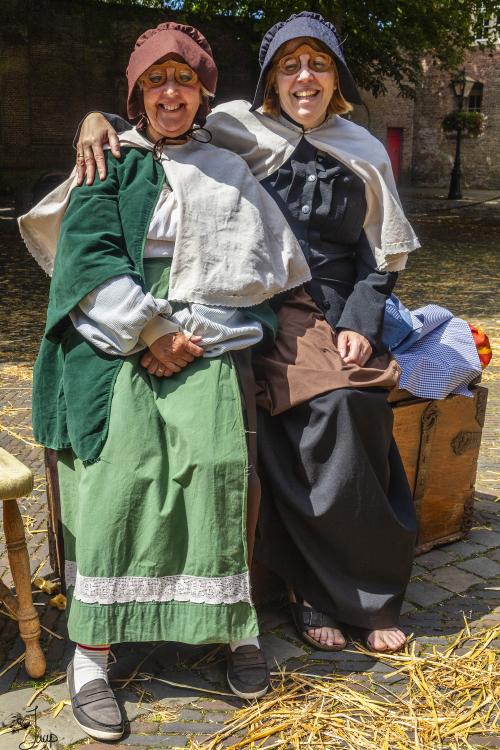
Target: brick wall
x=433, y=151
x=428, y=153
x=61, y=58
x=389, y=111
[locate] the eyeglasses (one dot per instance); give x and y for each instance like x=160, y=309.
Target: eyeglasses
x=156, y=75
x=319, y=62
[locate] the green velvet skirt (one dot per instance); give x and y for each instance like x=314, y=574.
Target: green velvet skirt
x=155, y=538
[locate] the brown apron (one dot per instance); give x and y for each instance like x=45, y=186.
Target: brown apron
x=305, y=361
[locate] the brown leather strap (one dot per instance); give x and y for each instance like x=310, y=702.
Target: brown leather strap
x=311, y=618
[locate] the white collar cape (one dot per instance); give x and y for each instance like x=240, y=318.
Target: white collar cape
x=266, y=143
x=233, y=247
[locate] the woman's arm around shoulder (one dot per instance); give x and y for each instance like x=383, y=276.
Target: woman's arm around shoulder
x=95, y=131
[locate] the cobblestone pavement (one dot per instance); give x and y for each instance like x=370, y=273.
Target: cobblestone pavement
x=186, y=696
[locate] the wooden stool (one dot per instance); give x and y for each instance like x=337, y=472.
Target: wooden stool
x=17, y=481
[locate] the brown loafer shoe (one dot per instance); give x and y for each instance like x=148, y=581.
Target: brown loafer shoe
x=247, y=672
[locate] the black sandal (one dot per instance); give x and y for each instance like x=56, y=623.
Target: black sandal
x=305, y=618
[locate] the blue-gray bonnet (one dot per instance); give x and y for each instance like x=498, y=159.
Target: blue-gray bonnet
x=314, y=26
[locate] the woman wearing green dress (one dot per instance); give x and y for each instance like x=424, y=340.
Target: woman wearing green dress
x=177, y=250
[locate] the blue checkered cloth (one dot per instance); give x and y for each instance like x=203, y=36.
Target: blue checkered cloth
x=437, y=353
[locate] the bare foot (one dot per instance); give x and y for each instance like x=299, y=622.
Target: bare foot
x=386, y=640
x=327, y=636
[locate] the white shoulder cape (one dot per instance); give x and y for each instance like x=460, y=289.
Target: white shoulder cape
x=266, y=143
x=233, y=247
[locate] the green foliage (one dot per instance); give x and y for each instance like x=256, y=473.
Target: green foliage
x=472, y=124
x=384, y=39
x=144, y=3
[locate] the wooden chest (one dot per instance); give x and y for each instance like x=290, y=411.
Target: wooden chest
x=439, y=444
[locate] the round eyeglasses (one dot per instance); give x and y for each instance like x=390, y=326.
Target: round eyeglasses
x=319, y=62
x=156, y=75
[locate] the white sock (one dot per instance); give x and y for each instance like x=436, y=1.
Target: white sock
x=233, y=645
x=90, y=663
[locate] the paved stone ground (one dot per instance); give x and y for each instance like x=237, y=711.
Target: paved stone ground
x=186, y=696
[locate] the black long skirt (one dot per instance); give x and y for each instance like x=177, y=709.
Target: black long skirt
x=337, y=519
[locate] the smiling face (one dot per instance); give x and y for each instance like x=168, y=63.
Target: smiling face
x=304, y=88
x=171, y=98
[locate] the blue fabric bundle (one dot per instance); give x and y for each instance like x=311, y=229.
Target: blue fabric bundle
x=401, y=328
x=435, y=350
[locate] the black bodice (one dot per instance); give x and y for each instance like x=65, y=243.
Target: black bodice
x=324, y=203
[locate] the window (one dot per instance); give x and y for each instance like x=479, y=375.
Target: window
x=475, y=99
x=485, y=26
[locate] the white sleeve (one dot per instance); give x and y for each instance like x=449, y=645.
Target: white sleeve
x=222, y=329
x=117, y=317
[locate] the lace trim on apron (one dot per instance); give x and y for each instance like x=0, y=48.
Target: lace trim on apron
x=178, y=588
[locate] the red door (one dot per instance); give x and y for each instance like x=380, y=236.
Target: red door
x=394, y=148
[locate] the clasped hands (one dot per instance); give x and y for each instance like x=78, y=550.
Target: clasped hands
x=170, y=353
